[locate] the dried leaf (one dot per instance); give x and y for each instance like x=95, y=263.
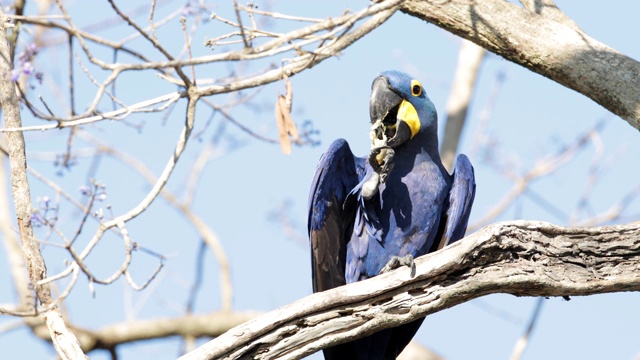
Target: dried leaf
x=281, y=110
x=286, y=127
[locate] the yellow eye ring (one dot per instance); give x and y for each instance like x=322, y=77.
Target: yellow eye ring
x=416, y=88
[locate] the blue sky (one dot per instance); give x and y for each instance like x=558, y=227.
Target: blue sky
x=533, y=117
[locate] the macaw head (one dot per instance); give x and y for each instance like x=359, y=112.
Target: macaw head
x=399, y=108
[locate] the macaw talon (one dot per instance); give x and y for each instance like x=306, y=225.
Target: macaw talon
x=396, y=261
x=381, y=160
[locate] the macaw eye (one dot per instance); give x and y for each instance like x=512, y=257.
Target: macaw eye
x=416, y=88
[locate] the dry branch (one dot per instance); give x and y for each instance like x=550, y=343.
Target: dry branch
x=544, y=44
x=331, y=35
x=522, y=258
x=206, y=325
x=64, y=341
x=110, y=336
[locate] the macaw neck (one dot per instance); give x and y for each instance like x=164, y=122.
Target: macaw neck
x=429, y=139
x=422, y=147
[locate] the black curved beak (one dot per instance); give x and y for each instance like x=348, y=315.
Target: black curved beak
x=383, y=101
x=383, y=106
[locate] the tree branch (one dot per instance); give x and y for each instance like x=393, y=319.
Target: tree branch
x=557, y=50
x=522, y=258
x=206, y=233
x=64, y=341
x=205, y=325
x=110, y=336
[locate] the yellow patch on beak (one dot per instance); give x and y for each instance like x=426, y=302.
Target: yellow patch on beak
x=409, y=115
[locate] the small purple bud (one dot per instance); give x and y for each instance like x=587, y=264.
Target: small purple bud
x=85, y=190
x=27, y=68
x=15, y=75
x=32, y=49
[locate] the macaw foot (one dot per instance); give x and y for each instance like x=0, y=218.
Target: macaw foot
x=381, y=160
x=396, y=262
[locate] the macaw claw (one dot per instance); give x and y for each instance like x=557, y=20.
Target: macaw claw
x=396, y=261
x=381, y=160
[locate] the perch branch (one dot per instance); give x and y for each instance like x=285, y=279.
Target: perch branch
x=522, y=258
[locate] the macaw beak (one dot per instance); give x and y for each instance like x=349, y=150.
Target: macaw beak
x=391, y=116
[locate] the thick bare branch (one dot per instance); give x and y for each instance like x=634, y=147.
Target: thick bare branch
x=522, y=258
x=551, y=48
x=64, y=340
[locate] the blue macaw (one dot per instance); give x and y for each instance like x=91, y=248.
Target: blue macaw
x=366, y=213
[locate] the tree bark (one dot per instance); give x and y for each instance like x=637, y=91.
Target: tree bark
x=521, y=258
x=548, y=45
x=64, y=341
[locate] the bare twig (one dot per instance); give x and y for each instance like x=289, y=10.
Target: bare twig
x=542, y=167
x=276, y=15
x=142, y=206
x=246, y=42
x=151, y=39
x=333, y=34
x=521, y=345
x=207, y=234
x=143, y=106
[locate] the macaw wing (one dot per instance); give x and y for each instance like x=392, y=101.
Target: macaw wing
x=461, y=195
x=329, y=224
